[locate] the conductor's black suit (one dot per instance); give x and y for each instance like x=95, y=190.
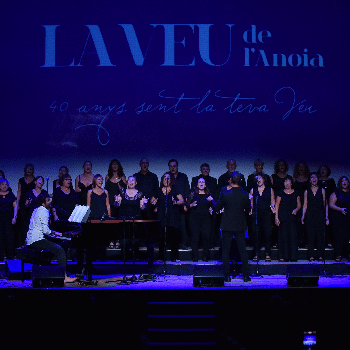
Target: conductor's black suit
x=235, y=203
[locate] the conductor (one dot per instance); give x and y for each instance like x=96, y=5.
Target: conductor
x=235, y=203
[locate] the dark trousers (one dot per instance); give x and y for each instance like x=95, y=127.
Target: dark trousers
x=315, y=231
x=22, y=226
x=58, y=252
x=184, y=236
x=170, y=236
x=200, y=226
x=287, y=240
x=226, y=247
x=215, y=239
x=6, y=238
x=262, y=230
x=341, y=229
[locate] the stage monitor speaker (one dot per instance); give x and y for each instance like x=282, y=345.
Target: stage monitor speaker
x=208, y=276
x=51, y=276
x=303, y=275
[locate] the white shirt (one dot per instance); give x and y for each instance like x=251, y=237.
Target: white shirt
x=39, y=225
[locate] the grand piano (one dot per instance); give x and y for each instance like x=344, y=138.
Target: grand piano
x=94, y=235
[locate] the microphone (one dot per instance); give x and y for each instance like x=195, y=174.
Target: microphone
x=103, y=216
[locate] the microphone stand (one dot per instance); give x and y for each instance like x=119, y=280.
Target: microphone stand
x=323, y=270
x=165, y=229
x=124, y=280
x=133, y=278
x=256, y=229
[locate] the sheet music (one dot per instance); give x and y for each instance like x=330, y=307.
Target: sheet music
x=79, y=214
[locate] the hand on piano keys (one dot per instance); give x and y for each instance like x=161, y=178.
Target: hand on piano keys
x=55, y=233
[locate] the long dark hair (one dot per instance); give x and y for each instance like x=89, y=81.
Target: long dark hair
x=196, y=189
x=296, y=171
x=28, y=165
x=171, y=181
x=276, y=166
x=66, y=168
x=120, y=172
x=327, y=168
x=340, y=181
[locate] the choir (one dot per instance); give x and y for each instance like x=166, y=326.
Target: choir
x=306, y=209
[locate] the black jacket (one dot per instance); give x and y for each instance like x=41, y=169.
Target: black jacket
x=235, y=203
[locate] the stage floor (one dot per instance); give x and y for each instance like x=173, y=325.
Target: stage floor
x=169, y=311
x=184, y=282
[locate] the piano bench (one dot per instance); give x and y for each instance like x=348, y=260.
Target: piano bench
x=33, y=256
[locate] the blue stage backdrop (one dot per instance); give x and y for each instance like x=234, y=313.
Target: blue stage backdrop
x=201, y=81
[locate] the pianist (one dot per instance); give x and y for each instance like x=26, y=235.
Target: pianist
x=39, y=227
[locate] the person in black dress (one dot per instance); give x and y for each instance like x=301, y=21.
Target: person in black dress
x=83, y=183
x=98, y=203
x=32, y=196
x=200, y=206
x=315, y=217
x=131, y=202
x=182, y=186
x=98, y=200
x=325, y=181
x=277, y=183
x=263, y=205
x=115, y=182
x=278, y=177
x=210, y=182
x=212, y=185
x=167, y=201
x=339, y=202
x=251, y=183
x=8, y=216
x=62, y=171
x=251, y=180
x=2, y=176
x=301, y=182
x=25, y=184
x=287, y=206
x=64, y=199
x=329, y=185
